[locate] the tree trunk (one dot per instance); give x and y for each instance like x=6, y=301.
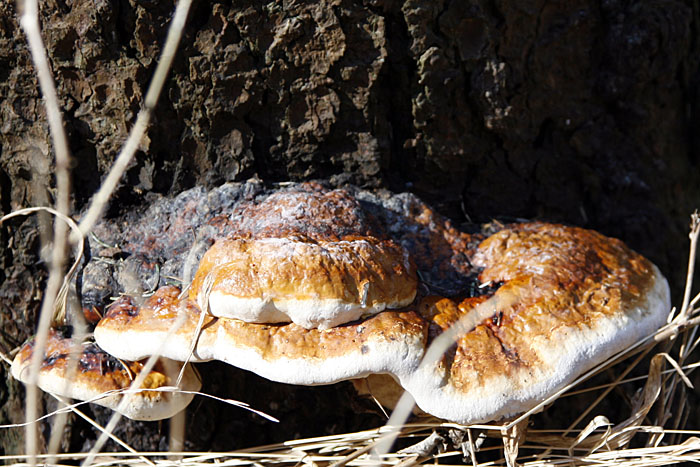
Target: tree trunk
x=574, y=112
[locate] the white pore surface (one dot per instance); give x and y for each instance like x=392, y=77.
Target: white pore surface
x=157, y=406
x=379, y=355
x=136, y=344
x=566, y=354
x=308, y=313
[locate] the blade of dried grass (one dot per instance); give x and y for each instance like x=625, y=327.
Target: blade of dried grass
x=683, y=419
x=239, y=404
x=595, y=424
x=347, y=459
x=203, y=303
x=693, y=235
x=686, y=350
x=117, y=392
x=472, y=447
x=374, y=399
x=679, y=370
x=512, y=437
x=687, y=368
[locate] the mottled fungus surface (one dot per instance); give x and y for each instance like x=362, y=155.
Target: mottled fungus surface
x=557, y=301
x=100, y=378
x=315, y=258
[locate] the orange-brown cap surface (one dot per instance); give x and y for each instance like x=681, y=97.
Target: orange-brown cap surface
x=316, y=284
x=555, y=302
x=99, y=377
x=306, y=255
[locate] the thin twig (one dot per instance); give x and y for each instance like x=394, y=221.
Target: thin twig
x=694, y=232
x=29, y=21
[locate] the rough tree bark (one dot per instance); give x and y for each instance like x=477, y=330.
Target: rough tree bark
x=578, y=112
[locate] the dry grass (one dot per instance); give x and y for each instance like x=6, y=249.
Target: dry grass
x=652, y=434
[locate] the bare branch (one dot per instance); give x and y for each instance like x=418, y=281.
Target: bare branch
x=29, y=22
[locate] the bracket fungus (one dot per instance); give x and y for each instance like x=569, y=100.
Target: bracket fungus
x=548, y=303
x=313, y=286
x=100, y=378
x=316, y=284
x=308, y=257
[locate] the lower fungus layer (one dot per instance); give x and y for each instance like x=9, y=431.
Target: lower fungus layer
x=99, y=377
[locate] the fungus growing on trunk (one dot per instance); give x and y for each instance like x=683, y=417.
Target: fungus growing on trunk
x=561, y=301
x=315, y=284
x=101, y=378
x=315, y=258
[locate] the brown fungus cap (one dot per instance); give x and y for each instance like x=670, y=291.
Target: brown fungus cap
x=307, y=255
x=569, y=299
x=561, y=300
x=316, y=284
x=100, y=374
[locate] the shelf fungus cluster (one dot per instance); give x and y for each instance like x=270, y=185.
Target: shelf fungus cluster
x=313, y=286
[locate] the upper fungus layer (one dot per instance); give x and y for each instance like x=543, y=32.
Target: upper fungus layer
x=306, y=255
x=312, y=283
